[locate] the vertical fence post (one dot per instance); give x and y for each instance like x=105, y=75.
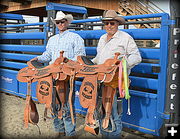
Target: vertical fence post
x=51, y=13
x=172, y=86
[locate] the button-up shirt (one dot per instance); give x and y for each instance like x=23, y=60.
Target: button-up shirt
x=71, y=43
x=121, y=42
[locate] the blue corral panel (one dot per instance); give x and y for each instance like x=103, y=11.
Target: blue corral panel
x=146, y=34
x=66, y=8
x=15, y=56
x=143, y=114
x=23, y=48
x=23, y=89
x=15, y=65
x=11, y=16
x=8, y=82
x=33, y=36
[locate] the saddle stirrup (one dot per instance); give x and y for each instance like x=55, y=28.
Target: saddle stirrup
x=70, y=97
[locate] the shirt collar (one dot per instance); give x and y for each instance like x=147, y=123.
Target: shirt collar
x=115, y=35
x=62, y=34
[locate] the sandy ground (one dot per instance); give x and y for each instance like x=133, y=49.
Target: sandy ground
x=11, y=123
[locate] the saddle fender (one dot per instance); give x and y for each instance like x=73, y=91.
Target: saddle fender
x=108, y=94
x=87, y=97
x=88, y=91
x=44, y=91
x=30, y=112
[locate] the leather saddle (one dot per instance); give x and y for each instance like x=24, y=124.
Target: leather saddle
x=63, y=70
x=92, y=74
x=44, y=75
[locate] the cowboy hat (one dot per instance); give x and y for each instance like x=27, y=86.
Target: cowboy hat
x=112, y=15
x=60, y=15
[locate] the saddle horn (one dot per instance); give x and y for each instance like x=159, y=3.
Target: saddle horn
x=116, y=55
x=61, y=54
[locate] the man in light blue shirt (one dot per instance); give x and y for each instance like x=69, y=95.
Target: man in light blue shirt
x=72, y=45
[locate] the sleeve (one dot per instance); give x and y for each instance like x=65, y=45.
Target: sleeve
x=79, y=48
x=132, y=53
x=47, y=55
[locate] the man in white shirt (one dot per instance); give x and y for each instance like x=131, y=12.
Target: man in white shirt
x=110, y=43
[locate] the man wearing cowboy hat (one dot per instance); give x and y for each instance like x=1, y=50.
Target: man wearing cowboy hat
x=110, y=43
x=72, y=45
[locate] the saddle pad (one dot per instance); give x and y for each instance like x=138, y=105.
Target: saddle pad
x=87, y=96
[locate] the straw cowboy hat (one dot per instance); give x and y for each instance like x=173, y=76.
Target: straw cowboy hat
x=60, y=15
x=112, y=15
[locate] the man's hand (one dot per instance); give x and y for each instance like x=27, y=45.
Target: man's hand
x=34, y=59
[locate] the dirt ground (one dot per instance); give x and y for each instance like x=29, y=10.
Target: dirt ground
x=12, y=126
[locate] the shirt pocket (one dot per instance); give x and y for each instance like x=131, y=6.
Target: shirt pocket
x=68, y=53
x=57, y=50
x=117, y=48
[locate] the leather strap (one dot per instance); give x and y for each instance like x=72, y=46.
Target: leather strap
x=30, y=112
x=108, y=94
x=70, y=95
x=26, y=112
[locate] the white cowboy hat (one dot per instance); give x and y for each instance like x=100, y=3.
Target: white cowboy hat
x=112, y=15
x=60, y=15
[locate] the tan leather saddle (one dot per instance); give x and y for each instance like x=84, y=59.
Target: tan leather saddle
x=63, y=70
x=45, y=76
x=93, y=74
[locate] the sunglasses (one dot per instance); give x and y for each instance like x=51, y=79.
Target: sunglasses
x=62, y=22
x=111, y=23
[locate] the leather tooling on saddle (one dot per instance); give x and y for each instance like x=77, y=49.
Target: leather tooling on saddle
x=112, y=73
x=44, y=76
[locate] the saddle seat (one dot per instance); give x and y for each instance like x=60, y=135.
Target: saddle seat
x=36, y=70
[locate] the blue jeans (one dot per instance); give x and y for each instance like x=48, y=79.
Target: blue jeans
x=64, y=124
x=116, y=121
